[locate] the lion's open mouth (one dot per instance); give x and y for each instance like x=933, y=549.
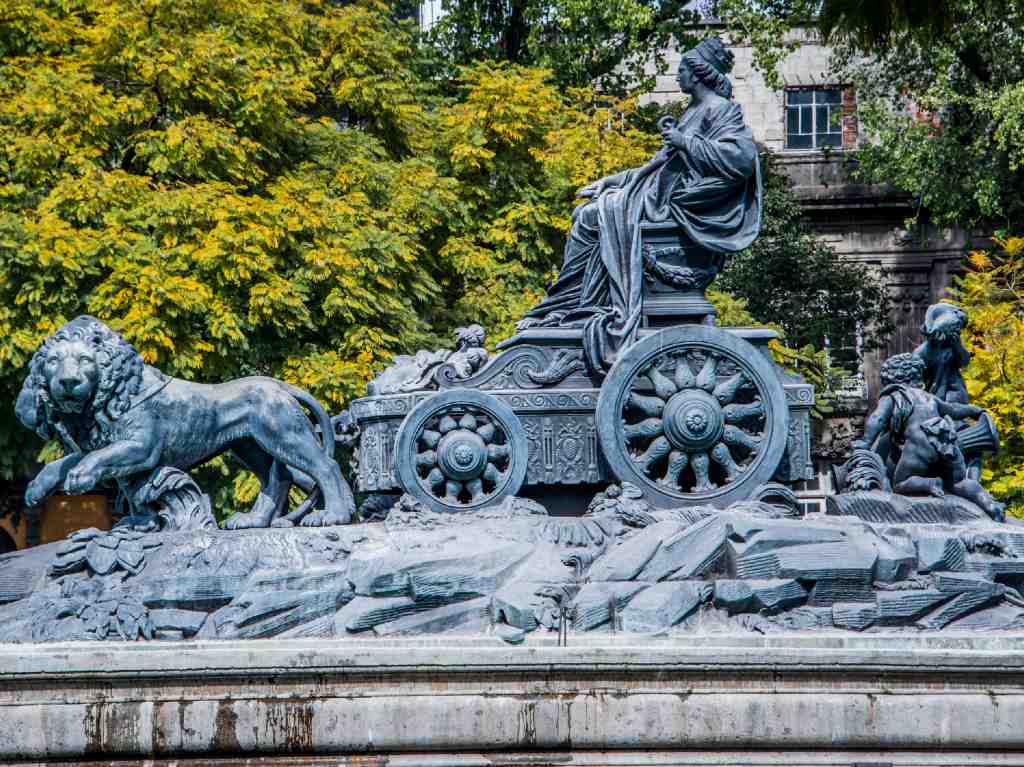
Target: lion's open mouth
x=70, y=404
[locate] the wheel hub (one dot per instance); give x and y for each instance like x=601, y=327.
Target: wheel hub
x=693, y=420
x=462, y=455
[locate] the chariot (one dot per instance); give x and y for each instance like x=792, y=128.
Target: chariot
x=690, y=413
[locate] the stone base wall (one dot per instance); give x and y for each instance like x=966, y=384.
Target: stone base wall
x=826, y=699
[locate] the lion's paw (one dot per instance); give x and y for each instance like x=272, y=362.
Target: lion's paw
x=80, y=480
x=35, y=494
x=244, y=520
x=282, y=522
x=326, y=518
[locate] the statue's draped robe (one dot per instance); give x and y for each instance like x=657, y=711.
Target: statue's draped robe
x=711, y=188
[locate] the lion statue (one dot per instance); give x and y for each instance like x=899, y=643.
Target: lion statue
x=120, y=419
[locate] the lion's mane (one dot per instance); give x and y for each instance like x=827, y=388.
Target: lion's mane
x=120, y=378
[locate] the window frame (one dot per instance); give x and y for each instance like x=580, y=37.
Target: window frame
x=836, y=110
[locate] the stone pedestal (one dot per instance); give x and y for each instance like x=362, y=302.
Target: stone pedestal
x=714, y=699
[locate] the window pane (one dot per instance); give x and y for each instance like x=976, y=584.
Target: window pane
x=798, y=141
x=792, y=120
x=829, y=96
x=821, y=120
x=800, y=97
x=830, y=139
x=806, y=124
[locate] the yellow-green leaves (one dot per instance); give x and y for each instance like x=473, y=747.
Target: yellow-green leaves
x=992, y=293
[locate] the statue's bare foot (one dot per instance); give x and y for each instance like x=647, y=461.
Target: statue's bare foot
x=245, y=520
x=326, y=518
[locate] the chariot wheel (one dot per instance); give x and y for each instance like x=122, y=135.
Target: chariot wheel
x=693, y=415
x=461, y=450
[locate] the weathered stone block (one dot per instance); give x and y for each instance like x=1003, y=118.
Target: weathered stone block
x=752, y=536
x=472, y=615
x=956, y=583
x=757, y=595
x=855, y=616
x=896, y=607
x=268, y=614
x=629, y=558
x=940, y=552
x=846, y=561
x=366, y=612
x=518, y=604
x=663, y=605
x=897, y=558
x=827, y=593
x=689, y=552
x=187, y=622
x=959, y=606
x=188, y=591
x=448, y=573
x=595, y=603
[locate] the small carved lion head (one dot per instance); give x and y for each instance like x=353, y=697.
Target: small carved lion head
x=85, y=372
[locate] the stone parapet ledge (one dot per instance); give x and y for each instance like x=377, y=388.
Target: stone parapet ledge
x=473, y=695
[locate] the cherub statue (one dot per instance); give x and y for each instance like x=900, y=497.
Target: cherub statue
x=943, y=352
x=422, y=370
x=914, y=432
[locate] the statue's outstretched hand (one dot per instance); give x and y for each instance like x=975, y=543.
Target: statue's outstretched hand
x=593, y=189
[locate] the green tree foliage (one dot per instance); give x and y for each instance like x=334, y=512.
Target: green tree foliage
x=792, y=279
x=268, y=186
x=518, y=149
x=610, y=43
x=992, y=293
x=947, y=109
x=813, y=363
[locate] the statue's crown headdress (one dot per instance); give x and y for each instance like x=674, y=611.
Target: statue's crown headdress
x=717, y=55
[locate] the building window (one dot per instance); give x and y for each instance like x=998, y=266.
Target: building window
x=814, y=118
x=430, y=12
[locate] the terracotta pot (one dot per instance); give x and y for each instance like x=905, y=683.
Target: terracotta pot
x=63, y=514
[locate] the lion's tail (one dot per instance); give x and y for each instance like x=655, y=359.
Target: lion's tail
x=322, y=417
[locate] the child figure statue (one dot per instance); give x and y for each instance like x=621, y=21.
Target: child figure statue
x=915, y=433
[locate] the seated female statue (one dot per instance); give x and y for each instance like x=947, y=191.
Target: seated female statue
x=706, y=178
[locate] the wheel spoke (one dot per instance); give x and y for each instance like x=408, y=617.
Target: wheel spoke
x=652, y=427
x=701, y=465
x=475, y=488
x=447, y=424
x=720, y=454
x=452, y=491
x=430, y=438
x=649, y=406
x=685, y=378
x=426, y=459
x=663, y=387
x=468, y=422
x=486, y=432
x=658, y=449
x=491, y=474
x=736, y=437
x=436, y=478
x=707, y=376
x=497, y=452
x=740, y=412
x=677, y=461
x=725, y=392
